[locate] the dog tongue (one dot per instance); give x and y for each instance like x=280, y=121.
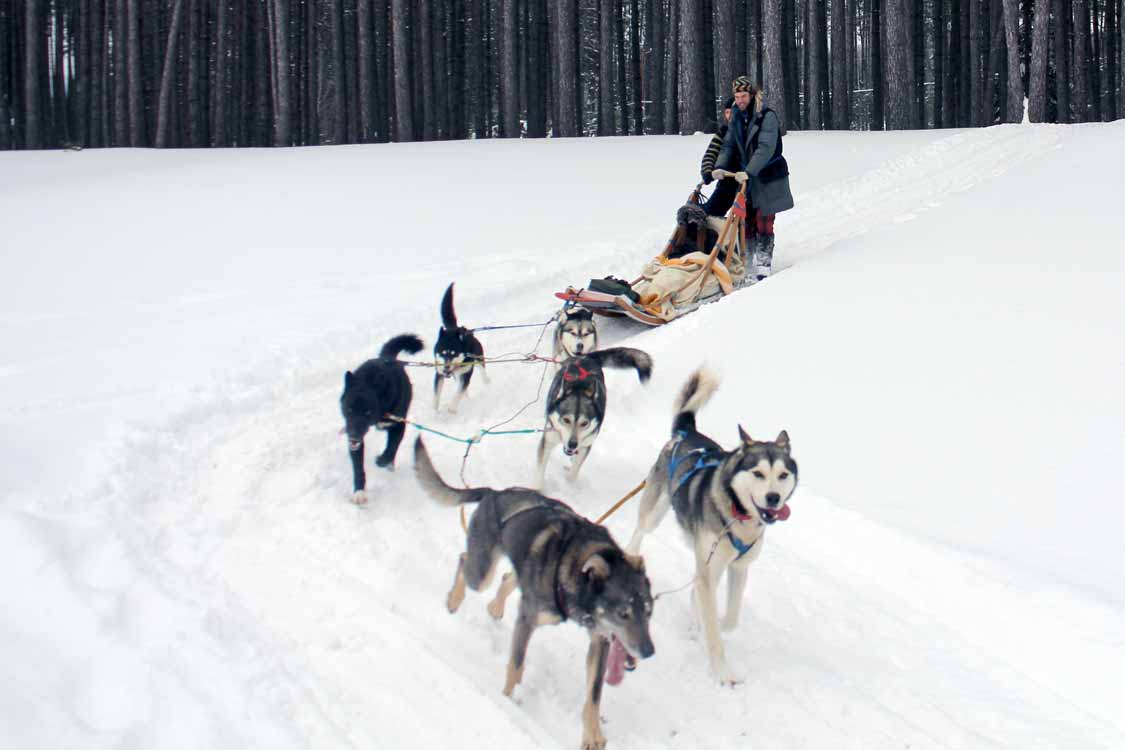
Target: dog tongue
x=615, y=668
x=783, y=514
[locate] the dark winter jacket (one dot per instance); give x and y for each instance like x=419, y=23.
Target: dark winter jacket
x=753, y=145
x=708, y=164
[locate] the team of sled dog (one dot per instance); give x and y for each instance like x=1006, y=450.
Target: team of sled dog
x=565, y=566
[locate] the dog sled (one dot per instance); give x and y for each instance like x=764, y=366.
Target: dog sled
x=704, y=260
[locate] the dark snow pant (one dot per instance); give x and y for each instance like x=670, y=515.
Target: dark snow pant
x=722, y=197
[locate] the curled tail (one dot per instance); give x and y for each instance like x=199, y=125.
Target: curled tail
x=407, y=342
x=623, y=358
x=694, y=395
x=448, y=316
x=432, y=482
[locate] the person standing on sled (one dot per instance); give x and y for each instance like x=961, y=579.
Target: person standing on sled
x=722, y=198
x=752, y=150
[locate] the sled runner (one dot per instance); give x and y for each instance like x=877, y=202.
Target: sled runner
x=704, y=260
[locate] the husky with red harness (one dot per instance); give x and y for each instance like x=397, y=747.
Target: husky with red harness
x=576, y=404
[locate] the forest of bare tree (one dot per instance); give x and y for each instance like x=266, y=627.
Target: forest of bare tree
x=193, y=73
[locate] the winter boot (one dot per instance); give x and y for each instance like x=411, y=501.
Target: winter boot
x=763, y=256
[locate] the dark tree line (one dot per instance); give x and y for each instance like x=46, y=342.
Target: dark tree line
x=193, y=73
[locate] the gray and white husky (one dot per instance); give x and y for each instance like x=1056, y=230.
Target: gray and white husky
x=724, y=500
x=575, y=333
x=576, y=404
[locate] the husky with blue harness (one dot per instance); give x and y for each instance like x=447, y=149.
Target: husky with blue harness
x=724, y=500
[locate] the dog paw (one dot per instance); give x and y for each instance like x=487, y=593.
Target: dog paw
x=453, y=601
x=359, y=497
x=596, y=742
x=383, y=462
x=727, y=677
x=496, y=609
x=728, y=624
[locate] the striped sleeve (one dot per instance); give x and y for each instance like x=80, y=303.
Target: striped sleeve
x=711, y=155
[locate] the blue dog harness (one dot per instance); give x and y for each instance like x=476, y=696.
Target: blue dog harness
x=701, y=462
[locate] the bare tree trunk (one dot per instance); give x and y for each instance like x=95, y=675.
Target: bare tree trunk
x=915, y=15
x=813, y=44
x=219, y=76
x=136, y=102
x=754, y=41
x=619, y=54
x=474, y=69
x=566, y=76
x=839, y=72
x=977, y=13
x=672, y=71
x=692, y=68
x=1014, y=108
x=604, y=19
x=878, y=77
x=938, y=17
x=6, y=28
x=162, y=123
x=792, y=85
x=537, y=82
x=653, y=81
x=424, y=58
x=1062, y=61
x=1079, y=73
x=1121, y=59
x=280, y=58
x=953, y=83
x=1037, y=98
x=404, y=102
x=900, y=99
x=509, y=74
x=33, y=59
x=725, y=44
x=773, y=63
x=997, y=68
x=365, y=70
x=638, y=86
x=120, y=76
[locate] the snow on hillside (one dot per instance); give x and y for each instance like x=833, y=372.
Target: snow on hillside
x=182, y=567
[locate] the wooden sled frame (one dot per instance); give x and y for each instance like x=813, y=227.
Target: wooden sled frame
x=730, y=240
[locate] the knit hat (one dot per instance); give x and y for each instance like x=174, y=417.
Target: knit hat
x=729, y=103
x=742, y=83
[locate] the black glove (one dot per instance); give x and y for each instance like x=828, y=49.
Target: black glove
x=707, y=178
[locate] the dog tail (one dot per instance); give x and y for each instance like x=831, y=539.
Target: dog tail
x=406, y=342
x=695, y=394
x=623, y=358
x=448, y=317
x=432, y=482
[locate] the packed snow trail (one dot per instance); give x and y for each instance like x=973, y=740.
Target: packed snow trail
x=215, y=588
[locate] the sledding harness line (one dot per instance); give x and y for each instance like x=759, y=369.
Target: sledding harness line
x=531, y=356
x=474, y=439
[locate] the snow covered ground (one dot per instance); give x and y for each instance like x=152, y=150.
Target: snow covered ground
x=182, y=569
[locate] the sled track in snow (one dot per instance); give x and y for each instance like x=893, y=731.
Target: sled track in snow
x=347, y=640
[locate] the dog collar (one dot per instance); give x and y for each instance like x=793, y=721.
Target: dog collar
x=739, y=515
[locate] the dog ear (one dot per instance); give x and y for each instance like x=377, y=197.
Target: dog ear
x=636, y=561
x=744, y=436
x=783, y=441
x=348, y=379
x=596, y=568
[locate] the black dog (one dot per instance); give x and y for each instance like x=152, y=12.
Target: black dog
x=378, y=395
x=456, y=354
